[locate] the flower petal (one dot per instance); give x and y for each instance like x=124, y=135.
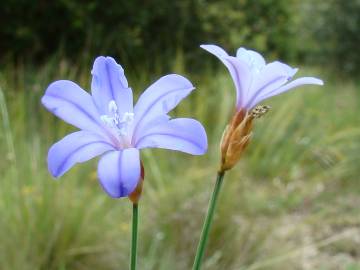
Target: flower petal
x=239, y=71
x=271, y=77
x=109, y=83
x=160, y=98
x=76, y=147
x=252, y=58
x=69, y=102
x=181, y=134
x=215, y=50
x=119, y=172
x=291, y=85
x=242, y=78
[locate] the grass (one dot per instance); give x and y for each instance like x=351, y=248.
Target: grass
x=291, y=203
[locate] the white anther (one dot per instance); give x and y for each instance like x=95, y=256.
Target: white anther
x=113, y=120
x=107, y=120
x=112, y=107
x=127, y=118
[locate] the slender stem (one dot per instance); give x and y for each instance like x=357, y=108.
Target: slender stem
x=134, y=236
x=207, y=223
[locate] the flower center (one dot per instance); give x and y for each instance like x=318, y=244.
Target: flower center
x=119, y=123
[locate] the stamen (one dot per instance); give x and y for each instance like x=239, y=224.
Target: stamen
x=113, y=120
x=112, y=107
x=259, y=111
x=127, y=118
x=107, y=120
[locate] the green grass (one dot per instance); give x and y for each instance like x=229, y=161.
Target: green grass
x=291, y=203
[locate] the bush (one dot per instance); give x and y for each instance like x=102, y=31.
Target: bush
x=333, y=33
x=36, y=29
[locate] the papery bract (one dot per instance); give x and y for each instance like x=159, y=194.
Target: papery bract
x=110, y=126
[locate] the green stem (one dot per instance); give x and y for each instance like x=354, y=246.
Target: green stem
x=207, y=224
x=134, y=236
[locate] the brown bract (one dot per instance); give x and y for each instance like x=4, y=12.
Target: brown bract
x=235, y=139
x=136, y=194
x=237, y=135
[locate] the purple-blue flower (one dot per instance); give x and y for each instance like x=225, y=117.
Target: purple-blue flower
x=254, y=79
x=112, y=127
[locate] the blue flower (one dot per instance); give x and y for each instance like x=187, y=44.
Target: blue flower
x=112, y=127
x=255, y=80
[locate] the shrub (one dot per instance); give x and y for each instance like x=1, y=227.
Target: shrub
x=142, y=28
x=333, y=33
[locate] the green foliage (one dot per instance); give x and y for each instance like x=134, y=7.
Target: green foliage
x=267, y=25
x=333, y=33
x=318, y=32
x=143, y=28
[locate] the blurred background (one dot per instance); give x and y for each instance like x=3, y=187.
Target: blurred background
x=291, y=203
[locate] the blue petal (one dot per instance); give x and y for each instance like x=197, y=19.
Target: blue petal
x=291, y=85
x=76, y=147
x=160, y=98
x=69, y=102
x=252, y=58
x=271, y=77
x=109, y=83
x=215, y=50
x=181, y=134
x=119, y=172
x=242, y=77
x=239, y=70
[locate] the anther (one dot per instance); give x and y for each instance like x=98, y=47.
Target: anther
x=259, y=111
x=112, y=107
